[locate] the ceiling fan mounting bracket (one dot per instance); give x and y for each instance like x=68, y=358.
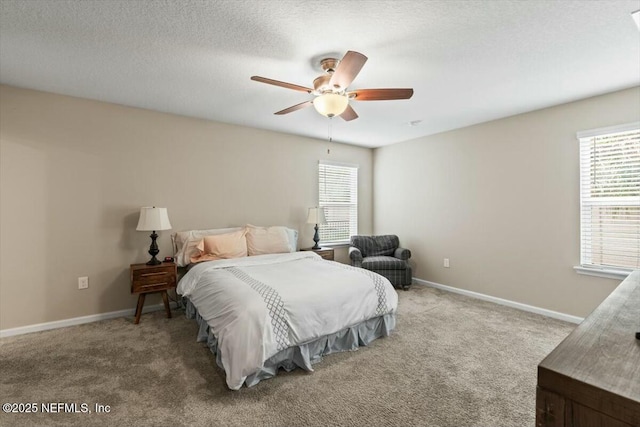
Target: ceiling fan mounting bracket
x=329, y=65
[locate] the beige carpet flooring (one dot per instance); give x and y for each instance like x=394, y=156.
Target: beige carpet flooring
x=452, y=361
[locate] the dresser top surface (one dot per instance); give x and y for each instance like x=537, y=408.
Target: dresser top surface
x=603, y=351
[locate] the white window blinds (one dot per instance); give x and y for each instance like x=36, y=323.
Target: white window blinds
x=338, y=195
x=610, y=197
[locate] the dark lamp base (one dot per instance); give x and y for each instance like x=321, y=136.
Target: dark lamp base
x=316, y=238
x=153, y=250
x=154, y=261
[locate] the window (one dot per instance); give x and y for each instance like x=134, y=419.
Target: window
x=610, y=198
x=338, y=195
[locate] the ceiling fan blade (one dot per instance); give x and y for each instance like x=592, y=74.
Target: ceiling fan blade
x=348, y=69
x=349, y=114
x=295, y=108
x=281, y=84
x=380, y=94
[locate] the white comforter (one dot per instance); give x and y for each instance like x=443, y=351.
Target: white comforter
x=257, y=306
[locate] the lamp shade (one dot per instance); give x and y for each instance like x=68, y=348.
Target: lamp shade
x=330, y=104
x=153, y=219
x=316, y=216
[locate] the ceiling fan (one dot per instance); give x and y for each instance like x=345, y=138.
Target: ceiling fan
x=330, y=89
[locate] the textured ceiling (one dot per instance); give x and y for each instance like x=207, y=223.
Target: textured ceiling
x=468, y=61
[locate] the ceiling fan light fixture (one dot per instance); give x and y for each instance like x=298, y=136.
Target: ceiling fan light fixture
x=330, y=89
x=330, y=104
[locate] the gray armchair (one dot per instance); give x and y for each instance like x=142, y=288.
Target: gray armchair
x=383, y=255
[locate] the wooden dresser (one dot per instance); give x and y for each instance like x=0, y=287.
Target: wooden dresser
x=593, y=377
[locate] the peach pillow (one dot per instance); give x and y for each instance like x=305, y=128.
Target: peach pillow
x=222, y=246
x=185, y=242
x=267, y=240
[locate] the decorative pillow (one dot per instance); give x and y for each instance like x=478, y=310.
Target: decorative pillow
x=185, y=242
x=222, y=246
x=267, y=240
x=293, y=239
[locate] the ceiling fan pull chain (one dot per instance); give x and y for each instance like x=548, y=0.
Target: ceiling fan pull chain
x=330, y=136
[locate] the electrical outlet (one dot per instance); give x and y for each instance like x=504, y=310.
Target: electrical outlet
x=446, y=263
x=83, y=282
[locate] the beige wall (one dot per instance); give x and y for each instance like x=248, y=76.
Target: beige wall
x=500, y=200
x=74, y=174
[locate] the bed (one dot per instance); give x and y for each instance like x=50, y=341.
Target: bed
x=268, y=311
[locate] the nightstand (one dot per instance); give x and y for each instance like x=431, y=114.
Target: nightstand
x=147, y=279
x=326, y=253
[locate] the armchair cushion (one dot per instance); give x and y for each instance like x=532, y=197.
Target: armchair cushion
x=376, y=245
x=383, y=263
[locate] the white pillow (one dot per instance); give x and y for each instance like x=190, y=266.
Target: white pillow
x=293, y=239
x=268, y=240
x=185, y=242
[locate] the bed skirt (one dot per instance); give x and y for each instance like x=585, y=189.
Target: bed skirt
x=303, y=355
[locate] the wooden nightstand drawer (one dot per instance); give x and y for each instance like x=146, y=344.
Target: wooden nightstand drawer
x=146, y=278
x=152, y=278
x=137, y=287
x=325, y=253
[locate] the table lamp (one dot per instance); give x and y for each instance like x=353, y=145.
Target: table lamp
x=153, y=219
x=316, y=216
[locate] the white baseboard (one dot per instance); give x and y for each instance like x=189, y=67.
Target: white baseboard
x=508, y=303
x=79, y=320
